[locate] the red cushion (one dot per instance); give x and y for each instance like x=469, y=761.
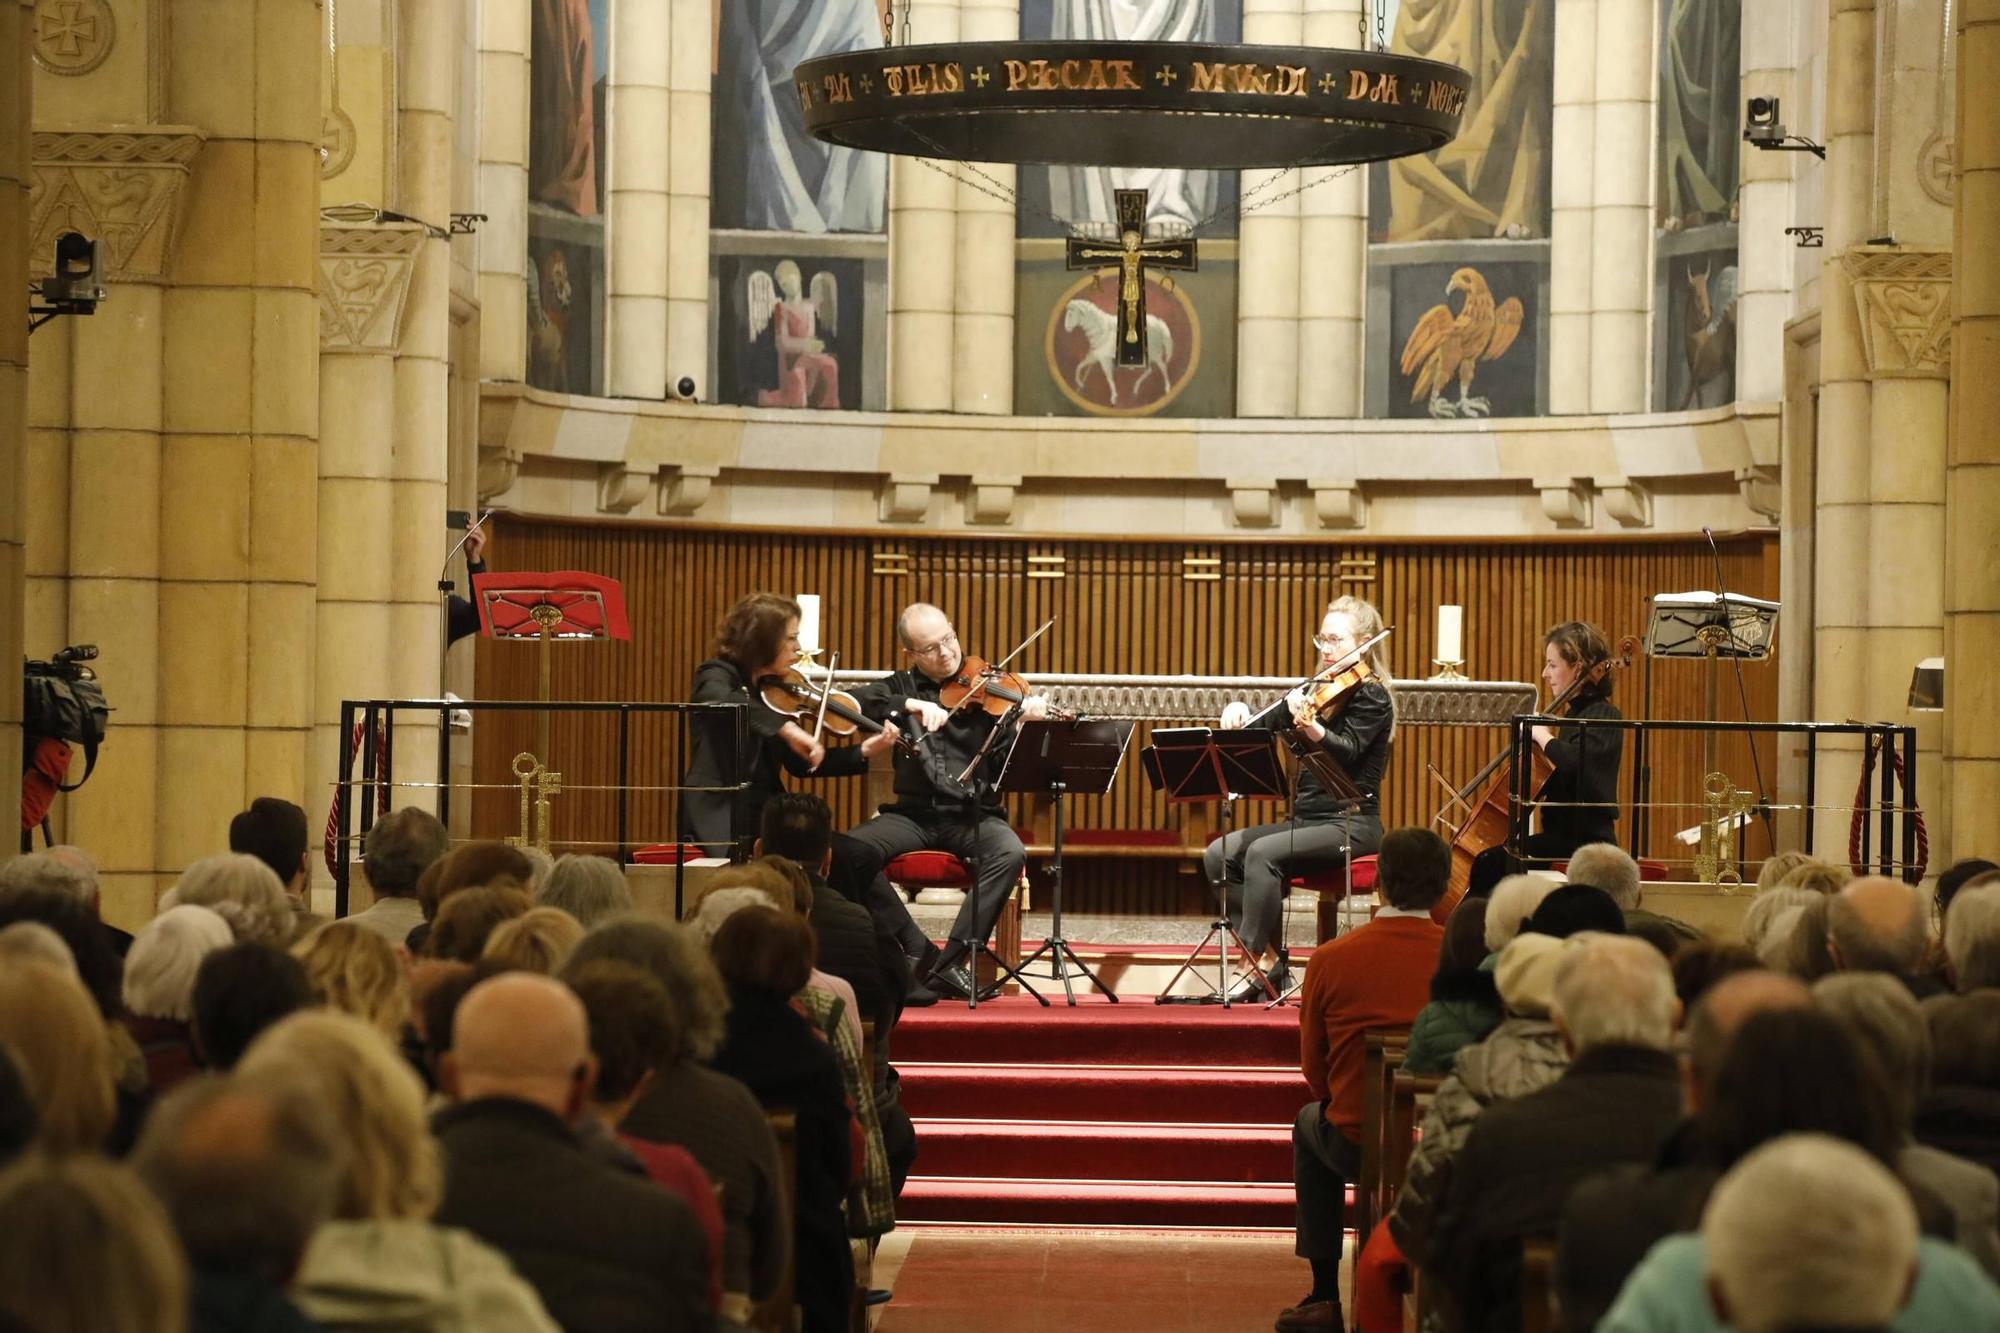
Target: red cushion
x=929, y=870
x=667, y=854
x=1335, y=880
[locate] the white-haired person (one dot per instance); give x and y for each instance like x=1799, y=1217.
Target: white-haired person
x=65, y=870
x=1972, y=938
x=1514, y=900
x=1613, y=1001
x=1609, y=867
x=243, y=891
x=589, y=888
x=159, y=988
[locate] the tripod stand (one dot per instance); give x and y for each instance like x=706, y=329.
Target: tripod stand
x=1201, y=764
x=1057, y=757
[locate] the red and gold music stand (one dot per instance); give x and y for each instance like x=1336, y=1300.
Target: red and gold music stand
x=546, y=607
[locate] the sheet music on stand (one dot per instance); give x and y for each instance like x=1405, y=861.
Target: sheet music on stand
x=1689, y=624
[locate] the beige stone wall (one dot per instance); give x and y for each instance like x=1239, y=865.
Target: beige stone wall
x=15, y=109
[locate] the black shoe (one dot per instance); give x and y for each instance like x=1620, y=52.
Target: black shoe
x=919, y=996
x=1253, y=989
x=926, y=962
x=955, y=980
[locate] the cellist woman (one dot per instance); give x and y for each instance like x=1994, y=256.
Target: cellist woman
x=1580, y=799
x=1321, y=833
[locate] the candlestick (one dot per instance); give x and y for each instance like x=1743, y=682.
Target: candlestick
x=809, y=621
x=1451, y=634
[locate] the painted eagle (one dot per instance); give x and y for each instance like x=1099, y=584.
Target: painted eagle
x=1445, y=344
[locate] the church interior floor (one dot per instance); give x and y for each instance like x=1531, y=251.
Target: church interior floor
x=963, y=1280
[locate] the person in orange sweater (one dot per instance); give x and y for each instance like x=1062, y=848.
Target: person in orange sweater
x=1375, y=977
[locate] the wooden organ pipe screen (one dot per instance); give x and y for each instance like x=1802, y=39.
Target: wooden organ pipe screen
x=1124, y=606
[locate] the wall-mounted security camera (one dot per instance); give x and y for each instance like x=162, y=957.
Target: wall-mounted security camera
x=1764, y=128
x=684, y=388
x=75, y=286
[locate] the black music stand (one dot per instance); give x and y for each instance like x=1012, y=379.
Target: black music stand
x=1207, y=764
x=1059, y=757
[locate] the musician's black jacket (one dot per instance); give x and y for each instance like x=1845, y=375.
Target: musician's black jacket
x=713, y=760
x=927, y=782
x=1586, y=761
x=1357, y=740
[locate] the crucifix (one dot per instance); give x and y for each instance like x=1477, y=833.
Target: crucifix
x=1131, y=256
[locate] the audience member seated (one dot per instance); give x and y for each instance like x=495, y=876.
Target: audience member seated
x=132, y=1279
x=589, y=888
x=1778, y=865
x=243, y=891
x=540, y=863
x=1375, y=976
x=62, y=1046
x=1489, y=868
x=247, y=1172
x=634, y=1031
x=1767, y=915
x=1876, y=924
x=32, y=939
x=1972, y=939
x=605, y=1251
x=1808, y=1232
x=1514, y=900
x=240, y=991
x=436, y=989
x=1614, y=1004
x=1958, y=875
x=92, y=958
x=468, y=918
x=1607, y=866
x=1821, y=877
x=762, y=884
x=159, y=989
x=710, y=1114
x=399, y=847
x=474, y=865
x=67, y=871
x=538, y=940
x=381, y=1263
x=1961, y=1113
x=1699, y=968
x=1464, y=1005
x=274, y=831
x=765, y=958
x=355, y=970
x=1573, y=909
x=1890, y=1026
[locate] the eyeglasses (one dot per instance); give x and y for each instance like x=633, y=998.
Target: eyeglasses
x=1327, y=643
x=950, y=639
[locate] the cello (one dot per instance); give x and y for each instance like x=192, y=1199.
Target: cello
x=1488, y=799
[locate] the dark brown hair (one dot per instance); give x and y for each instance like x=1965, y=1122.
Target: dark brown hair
x=476, y=865
x=1582, y=645
x=795, y=876
x=1412, y=868
x=468, y=917
x=754, y=630
x=767, y=951
x=633, y=1026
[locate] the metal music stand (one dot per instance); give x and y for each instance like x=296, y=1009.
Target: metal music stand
x=1059, y=757
x=1208, y=764
x=1697, y=626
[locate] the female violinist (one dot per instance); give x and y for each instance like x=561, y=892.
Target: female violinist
x=758, y=638
x=1581, y=797
x=1321, y=833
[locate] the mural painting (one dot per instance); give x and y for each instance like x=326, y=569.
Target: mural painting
x=1463, y=340
x=793, y=331
x=1695, y=283
x=567, y=138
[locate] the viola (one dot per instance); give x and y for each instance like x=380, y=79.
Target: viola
x=997, y=692
x=790, y=694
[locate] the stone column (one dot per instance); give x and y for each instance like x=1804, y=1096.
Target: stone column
x=1972, y=477
x=982, y=372
x=1621, y=228
x=1764, y=210
x=1333, y=256
x=923, y=255
x=637, y=203
x=1841, y=517
x=503, y=189
x=1573, y=135
x=692, y=42
x=1267, y=265
x=16, y=100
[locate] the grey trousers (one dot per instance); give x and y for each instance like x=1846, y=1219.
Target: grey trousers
x=1323, y=1161
x=989, y=847
x=1263, y=857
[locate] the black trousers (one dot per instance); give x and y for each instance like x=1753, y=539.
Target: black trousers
x=987, y=846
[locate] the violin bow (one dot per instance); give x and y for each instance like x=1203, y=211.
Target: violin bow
x=825, y=694
x=993, y=669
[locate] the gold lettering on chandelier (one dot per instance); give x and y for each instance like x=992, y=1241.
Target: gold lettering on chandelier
x=1047, y=76
x=924, y=80
x=837, y=88
x=1267, y=80
x=1446, y=98
x=1361, y=87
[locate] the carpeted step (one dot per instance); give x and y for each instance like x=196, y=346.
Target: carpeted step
x=1162, y=1094
x=1025, y=1149
x=1016, y=1030
x=1095, y=1202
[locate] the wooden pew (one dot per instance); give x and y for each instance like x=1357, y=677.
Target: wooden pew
x=1382, y=1056
x=1538, y=1284
x=1409, y=1098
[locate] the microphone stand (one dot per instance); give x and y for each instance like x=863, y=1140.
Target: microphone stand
x=1742, y=692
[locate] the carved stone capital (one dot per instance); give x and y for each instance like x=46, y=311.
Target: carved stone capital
x=121, y=185
x=620, y=487
x=1904, y=298
x=1253, y=501
x=1566, y=501
x=1630, y=503
x=364, y=278
x=1761, y=491
x=1340, y=504
x=991, y=499
x=499, y=468
x=683, y=490
x=906, y=496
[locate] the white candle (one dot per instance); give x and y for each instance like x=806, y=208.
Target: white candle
x=808, y=620
x=1451, y=634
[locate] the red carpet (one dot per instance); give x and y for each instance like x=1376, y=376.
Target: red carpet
x=1103, y=1115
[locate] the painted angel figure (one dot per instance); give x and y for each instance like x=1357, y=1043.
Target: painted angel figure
x=794, y=323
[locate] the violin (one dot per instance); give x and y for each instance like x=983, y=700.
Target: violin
x=997, y=692
x=1327, y=696
x=790, y=694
